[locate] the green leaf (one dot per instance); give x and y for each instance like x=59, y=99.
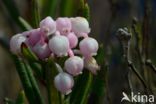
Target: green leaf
x=35, y=12
x=37, y=93
x=13, y=11
x=67, y=8
x=51, y=72
x=25, y=23
x=38, y=72
x=50, y=7
x=81, y=88
x=21, y=98
x=100, y=55
x=28, y=54
x=32, y=60
x=99, y=86
x=61, y=60
x=24, y=79
x=84, y=10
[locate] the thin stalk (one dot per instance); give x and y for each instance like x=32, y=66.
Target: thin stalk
x=137, y=74
x=137, y=46
x=38, y=96
x=50, y=73
x=150, y=65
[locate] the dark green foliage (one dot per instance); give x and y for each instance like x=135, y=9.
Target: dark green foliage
x=81, y=90
x=20, y=98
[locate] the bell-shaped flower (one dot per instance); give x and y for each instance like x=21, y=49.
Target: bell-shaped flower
x=64, y=83
x=73, y=40
x=48, y=25
x=59, y=45
x=80, y=26
x=74, y=65
x=34, y=36
x=88, y=47
x=63, y=25
x=42, y=50
x=16, y=42
x=91, y=64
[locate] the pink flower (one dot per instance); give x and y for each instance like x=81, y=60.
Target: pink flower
x=80, y=26
x=74, y=65
x=33, y=36
x=48, y=25
x=59, y=45
x=88, y=47
x=91, y=64
x=64, y=82
x=73, y=40
x=42, y=50
x=16, y=42
x=63, y=25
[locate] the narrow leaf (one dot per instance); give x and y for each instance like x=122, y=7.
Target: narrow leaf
x=100, y=55
x=24, y=79
x=51, y=72
x=99, y=86
x=21, y=98
x=25, y=23
x=84, y=10
x=13, y=11
x=38, y=96
x=28, y=54
x=35, y=13
x=67, y=8
x=50, y=7
x=81, y=88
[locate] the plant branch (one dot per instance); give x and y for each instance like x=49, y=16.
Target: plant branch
x=132, y=67
x=150, y=64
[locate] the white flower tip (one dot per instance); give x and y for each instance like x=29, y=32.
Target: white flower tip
x=91, y=64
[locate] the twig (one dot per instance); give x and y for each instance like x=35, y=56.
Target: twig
x=137, y=38
x=124, y=37
x=150, y=64
x=138, y=75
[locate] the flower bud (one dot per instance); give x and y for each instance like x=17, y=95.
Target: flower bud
x=42, y=50
x=59, y=45
x=73, y=40
x=16, y=42
x=33, y=36
x=91, y=64
x=74, y=65
x=64, y=82
x=80, y=26
x=63, y=25
x=48, y=25
x=88, y=47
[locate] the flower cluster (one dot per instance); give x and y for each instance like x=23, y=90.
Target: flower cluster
x=61, y=38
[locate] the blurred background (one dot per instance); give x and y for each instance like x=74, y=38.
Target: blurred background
x=106, y=16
